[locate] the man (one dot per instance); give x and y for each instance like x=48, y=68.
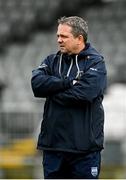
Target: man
x=73, y=82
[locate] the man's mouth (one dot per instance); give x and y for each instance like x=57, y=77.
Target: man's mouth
x=62, y=46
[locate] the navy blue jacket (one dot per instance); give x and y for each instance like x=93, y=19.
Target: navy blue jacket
x=73, y=118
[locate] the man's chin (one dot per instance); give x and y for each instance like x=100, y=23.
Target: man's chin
x=63, y=51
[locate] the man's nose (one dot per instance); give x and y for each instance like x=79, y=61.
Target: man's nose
x=59, y=40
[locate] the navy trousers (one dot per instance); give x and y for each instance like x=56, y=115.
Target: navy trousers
x=66, y=165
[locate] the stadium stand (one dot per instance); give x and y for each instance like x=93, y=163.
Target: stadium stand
x=19, y=19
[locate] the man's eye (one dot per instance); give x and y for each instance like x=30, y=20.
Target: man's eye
x=64, y=36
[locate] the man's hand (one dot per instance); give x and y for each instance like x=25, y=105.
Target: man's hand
x=74, y=82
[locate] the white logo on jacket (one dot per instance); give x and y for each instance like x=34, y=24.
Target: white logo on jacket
x=43, y=65
x=93, y=69
x=94, y=171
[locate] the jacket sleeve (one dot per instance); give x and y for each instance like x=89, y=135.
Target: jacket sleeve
x=91, y=84
x=44, y=84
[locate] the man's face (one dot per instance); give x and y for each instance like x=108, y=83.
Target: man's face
x=67, y=42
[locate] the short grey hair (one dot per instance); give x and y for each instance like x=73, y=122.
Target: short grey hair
x=78, y=24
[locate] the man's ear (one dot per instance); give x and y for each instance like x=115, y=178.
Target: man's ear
x=81, y=39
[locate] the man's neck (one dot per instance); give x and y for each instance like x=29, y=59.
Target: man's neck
x=80, y=48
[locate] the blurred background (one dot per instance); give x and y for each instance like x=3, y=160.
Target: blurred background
x=27, y=36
